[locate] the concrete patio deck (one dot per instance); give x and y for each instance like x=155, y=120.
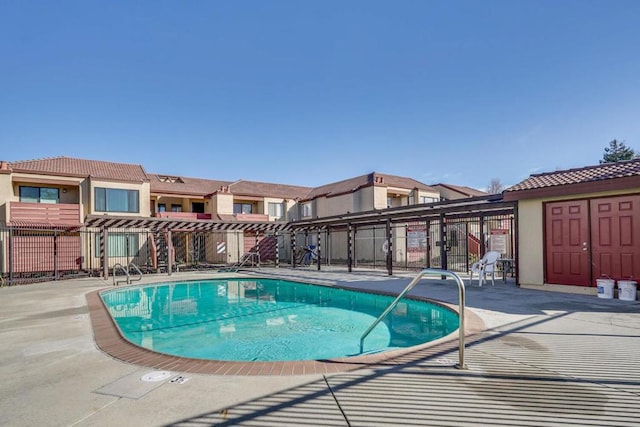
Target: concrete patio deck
x=544, y=358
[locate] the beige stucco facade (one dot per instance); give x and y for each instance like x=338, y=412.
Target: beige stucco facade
x=6, y=194
x=374, y=197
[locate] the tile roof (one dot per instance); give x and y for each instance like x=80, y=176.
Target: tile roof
x=402, y=182
x=265, y=189
x=69, y=166
x=464, y=190
x=587, y=174
x=374, y=178
x=185, y=185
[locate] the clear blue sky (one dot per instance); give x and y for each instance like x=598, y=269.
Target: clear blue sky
x=312, y=92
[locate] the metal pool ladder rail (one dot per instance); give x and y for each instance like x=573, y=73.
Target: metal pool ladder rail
x=461, y=295
x=127, y=271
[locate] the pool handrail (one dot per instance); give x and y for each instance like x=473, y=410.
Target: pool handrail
x=137, y=269
x=117, y=266
x=127, y=271
x=461, y=304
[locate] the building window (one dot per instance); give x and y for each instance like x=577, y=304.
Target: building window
x=242, y=208
x=276, y=210
x=306, y=209
x=116, y=200
x=197, y=207
x=176, y=208
x=39, y=195
x=119, y=245
x=425, y=199
x=162, y=207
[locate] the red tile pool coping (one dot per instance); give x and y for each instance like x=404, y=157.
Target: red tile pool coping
x=109, y=340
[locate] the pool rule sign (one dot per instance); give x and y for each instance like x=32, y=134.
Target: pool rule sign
x=498, y=240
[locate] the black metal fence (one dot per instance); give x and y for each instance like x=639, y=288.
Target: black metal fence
x=30, y=255
x=454, y=244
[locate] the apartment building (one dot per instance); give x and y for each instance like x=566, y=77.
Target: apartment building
x=64, y=193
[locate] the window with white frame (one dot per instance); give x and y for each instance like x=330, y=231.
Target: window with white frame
x=306, y=209
x=276, y=210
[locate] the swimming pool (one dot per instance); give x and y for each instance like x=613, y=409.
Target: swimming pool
x=269, y=320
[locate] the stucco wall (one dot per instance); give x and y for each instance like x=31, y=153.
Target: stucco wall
x=530, y=242
x=379, y=197
x=6, y=193
x=328, y=206
x=363, y=199
x=222, y=203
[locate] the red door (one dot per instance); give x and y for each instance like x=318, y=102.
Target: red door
x=567, y=243
x=615, y=233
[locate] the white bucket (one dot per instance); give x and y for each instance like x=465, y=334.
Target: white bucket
x=605, y=288
x=627, y=290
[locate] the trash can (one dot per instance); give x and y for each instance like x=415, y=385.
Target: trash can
x=627, y=290
x=605, y=288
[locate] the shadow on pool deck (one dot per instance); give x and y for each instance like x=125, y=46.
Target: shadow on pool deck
x=523, y=375
x=570, y=361
x=546, y=359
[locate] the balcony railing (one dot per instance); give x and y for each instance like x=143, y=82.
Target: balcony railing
x=251, y=217
x=183, y=215
x=44, y=213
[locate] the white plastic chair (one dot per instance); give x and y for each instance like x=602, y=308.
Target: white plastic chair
x=487, y=265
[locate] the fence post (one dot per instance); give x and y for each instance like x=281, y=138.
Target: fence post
x=11, y=255
x=318, y=248
x=466, y=241
x=257, y=248
x=329, y=246
x=443, y=242
x=389, y=248
x=355, y=247
x=238, y=239
x=483, y=247
x=406, y=246
x=170, y=253
x=349, y=249
x=293, y=248
x=277, y=250
x=427, y=249
x=104, y=248
x=55, y=255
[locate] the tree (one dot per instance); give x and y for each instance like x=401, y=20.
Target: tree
x=617, y=151
x=495, y=186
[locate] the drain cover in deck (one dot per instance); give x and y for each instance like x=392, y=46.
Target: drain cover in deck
x=154, y=376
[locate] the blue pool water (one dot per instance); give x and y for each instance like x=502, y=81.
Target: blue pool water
x=269, y=320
